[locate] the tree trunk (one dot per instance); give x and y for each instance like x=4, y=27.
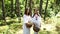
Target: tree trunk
x=17, y=8
x=3, y=9
x=40, y=9
x=46, y=9
x=11, y=9
x=3, y=13
x=25, y=4
x=30, y=6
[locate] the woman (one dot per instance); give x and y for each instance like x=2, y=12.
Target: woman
x=26, y=20
x=36, y=21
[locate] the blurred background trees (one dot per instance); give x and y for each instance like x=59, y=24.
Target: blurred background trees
x=12, y=11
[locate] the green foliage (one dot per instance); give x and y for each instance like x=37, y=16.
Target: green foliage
x=52, y=4
x=14, y=24
x=10, y=29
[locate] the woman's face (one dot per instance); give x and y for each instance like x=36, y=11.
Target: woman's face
x=27, y=11
x=36, y=12
x=36, y=15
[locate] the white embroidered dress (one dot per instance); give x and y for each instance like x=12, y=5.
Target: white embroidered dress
x=37, y=21
x=25, y=20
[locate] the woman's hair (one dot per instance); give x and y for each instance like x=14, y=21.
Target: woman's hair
x=36, y=12
x=26, y=10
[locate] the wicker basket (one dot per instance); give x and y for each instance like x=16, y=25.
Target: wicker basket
x=28, y=25
x=36, y=29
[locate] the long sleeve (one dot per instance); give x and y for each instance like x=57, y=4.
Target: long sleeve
x=39, y=21
x=25, y=19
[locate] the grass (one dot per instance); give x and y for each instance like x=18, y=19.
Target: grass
x=16, y=28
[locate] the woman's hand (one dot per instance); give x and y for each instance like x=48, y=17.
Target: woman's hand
x=28, y=25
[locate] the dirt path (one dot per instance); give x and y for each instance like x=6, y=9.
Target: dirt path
x=21, y=31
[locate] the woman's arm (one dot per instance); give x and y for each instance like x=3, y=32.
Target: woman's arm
x=25, y=19
x=40, y=21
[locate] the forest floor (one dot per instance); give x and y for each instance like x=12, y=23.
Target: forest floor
x=21, y=31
